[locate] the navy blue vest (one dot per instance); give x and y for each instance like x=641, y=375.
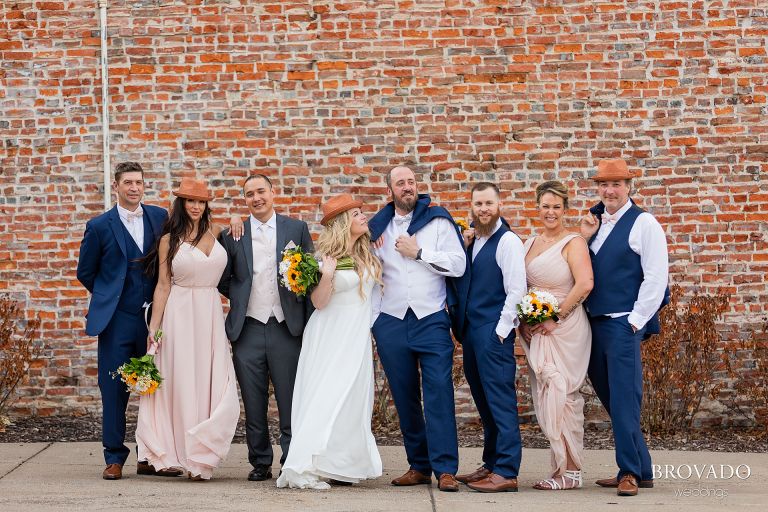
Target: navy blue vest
x=486, y=286
x=137, y=288
x=653, y=326
x=617, y=270
x=480, y=291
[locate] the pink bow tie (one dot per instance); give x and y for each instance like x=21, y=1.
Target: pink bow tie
x=609, y=219
x=135, y=215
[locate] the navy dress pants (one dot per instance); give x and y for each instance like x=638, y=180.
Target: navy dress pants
x=124, y=337
x=616, y=373
x=490, y=368
x=405, y=347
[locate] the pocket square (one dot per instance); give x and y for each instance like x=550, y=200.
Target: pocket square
x=289, y=245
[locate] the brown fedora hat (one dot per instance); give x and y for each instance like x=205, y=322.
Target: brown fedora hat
x=191, y=188
x=337, y=205
x=614, y=169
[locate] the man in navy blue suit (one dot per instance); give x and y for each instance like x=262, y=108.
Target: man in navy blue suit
x=110, y=268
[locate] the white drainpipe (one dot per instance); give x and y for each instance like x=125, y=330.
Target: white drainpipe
x=105, y=103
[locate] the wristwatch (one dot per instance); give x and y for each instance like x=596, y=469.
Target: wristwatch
x=418, y=255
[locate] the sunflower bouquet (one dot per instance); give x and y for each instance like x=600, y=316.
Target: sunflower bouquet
x=300, y=271
x=140, y=373
x=538, y=306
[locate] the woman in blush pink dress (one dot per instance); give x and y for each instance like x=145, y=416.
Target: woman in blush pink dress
x=558, y=261
x=189, y=422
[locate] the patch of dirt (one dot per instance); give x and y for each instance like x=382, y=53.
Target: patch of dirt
x=88, y=428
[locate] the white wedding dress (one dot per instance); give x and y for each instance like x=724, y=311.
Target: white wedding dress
x=333, y=395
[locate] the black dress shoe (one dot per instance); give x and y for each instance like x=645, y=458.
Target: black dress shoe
x=260, y=473
x=340, y=483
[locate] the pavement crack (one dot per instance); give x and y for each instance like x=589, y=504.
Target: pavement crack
x=41, y=450
x=432, y=498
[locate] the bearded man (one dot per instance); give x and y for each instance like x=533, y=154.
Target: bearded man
x=419, y=246
x=484, y=320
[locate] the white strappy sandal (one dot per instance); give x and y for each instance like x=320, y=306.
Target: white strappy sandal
x=570, y=479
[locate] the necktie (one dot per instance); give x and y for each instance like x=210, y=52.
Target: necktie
x=261, y=234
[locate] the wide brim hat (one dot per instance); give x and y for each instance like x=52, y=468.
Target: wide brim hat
x=614, y=169
x=191, y=188
x=338, y=204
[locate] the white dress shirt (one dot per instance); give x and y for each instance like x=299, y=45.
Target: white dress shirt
x=647, y=239
x=510, y=257
x=134, y=223
x=419, y=285
x=264, y=301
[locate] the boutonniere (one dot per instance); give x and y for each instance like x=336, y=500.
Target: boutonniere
x=290, y=245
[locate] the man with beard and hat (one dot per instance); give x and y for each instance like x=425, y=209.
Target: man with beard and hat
x=419, y=246
x=484, y=320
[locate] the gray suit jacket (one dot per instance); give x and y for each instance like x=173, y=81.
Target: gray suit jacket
x=237, y=278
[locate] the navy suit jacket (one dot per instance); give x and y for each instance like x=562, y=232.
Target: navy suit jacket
x=103, y=263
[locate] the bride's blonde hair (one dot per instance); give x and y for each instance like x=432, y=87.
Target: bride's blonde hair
x=334, y=242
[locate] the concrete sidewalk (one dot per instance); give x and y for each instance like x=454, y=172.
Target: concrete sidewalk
x=67, y=476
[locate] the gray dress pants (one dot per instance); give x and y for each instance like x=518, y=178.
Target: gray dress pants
x=264, y=352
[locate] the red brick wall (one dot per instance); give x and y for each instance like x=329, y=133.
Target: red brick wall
x=325, y=96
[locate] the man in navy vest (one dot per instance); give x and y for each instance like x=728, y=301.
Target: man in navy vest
x=484, y=320
x=110, y=268
x=631, y=268
x=419, y=246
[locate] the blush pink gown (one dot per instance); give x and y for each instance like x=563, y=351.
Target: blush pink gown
x=558, y=362
x=189, y=422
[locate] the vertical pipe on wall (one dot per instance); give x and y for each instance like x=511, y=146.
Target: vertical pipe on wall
x=105, y=102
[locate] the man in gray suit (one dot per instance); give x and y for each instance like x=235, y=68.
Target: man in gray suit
x=265, y=321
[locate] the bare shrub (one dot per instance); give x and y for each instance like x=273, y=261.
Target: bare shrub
x=680, y=364
x=17, y=351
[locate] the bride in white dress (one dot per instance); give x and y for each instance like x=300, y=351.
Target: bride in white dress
x=333, y=395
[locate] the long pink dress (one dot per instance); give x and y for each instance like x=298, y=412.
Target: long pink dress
x=189, y=422
x=558, y=362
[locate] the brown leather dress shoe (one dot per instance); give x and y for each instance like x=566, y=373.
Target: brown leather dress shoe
x=112, y=472
x=145, y=468
x=412, y=477
x=494, y=483
x=448, y=483
x=476, y=475
x=627, y=485
x=613, y=482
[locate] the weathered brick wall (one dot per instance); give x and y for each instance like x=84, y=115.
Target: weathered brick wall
x=325, y=96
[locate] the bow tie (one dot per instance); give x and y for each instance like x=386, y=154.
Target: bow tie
x=139, y=213
x=609, y=219
x=402, y=220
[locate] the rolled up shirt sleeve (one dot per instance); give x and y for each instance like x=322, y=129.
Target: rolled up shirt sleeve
x=648, y=240
x=510, y=256
x=448, y=257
